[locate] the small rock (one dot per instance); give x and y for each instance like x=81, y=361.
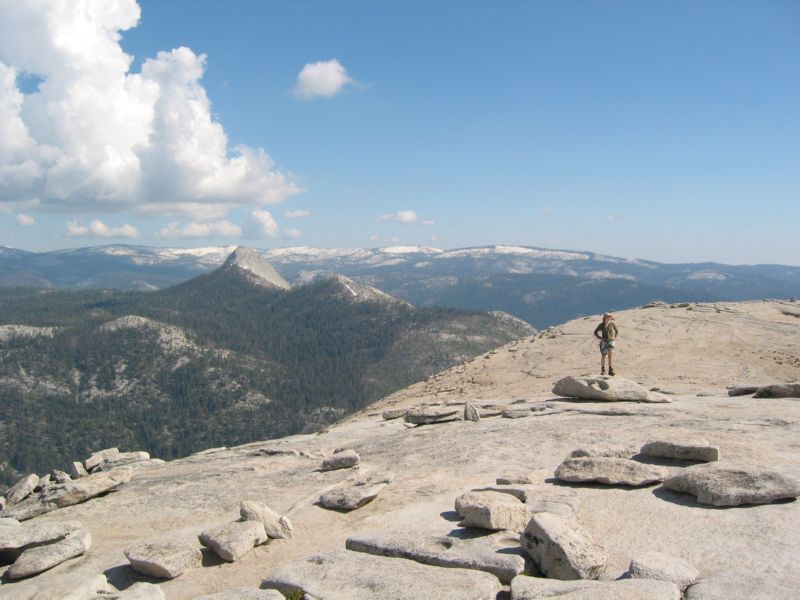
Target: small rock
x=41, y=558
x=393, y=413
x=99, y=457
x=561, y=549
x=165, y=560
x=355, y=494
x=276, y=526
x=60, y=476
x=513, y=479
x=231, y=542
x=731, y=485
x=655, y=565
x=77, y=470
x=529, y=588
x=341, y=460
x=492, y=510
x=516, y=413
x=610, y=450
x=430, y=414
x=22, y=489
x=612, y=471
x=471, y=412
x=611, y=389
x=682, y=450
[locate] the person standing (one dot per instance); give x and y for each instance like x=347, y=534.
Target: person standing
x=606, y=332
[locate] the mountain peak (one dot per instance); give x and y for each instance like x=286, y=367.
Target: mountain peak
x=256, y=268
x=356, y=292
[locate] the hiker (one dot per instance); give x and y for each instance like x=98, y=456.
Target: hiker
x=606, y=332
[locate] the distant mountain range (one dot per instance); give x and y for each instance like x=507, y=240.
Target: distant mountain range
x=230, y=356
x=544, y=287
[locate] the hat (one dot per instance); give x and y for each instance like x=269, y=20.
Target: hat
x=609, y=315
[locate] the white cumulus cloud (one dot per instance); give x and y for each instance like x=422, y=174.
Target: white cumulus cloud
x=24, y=219
x=292, y=234
x=95, y=135
x=401, y=216
x=323, y=79
x=297, y=214
x=262, y=224
x=97, y=228
x=195, y=229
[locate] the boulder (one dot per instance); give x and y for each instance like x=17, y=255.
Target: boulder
x=540, y=497
x=165, y=560
x=492, y=510
x=356, y=493
x=393, y=413
x=22, y=489
x=41, y=558
x=498, y=554
x=431, y=414
x=43, y=482
x=562, y=549
x=60, y=476
x=655, y=565
x=608, y=470
x=341, y=460
x=516, y=413
x=244, y=594
x=77, y=470
x=682, y=450
x=345, y=575
x=610, y=450
x=778, y=390
x=231, y=542
x=471, y=412
x=276, y=526
x=121, y=459
x=731, y=485
x=530, y=588
x=67, y=494
x=611, y=389
x=15, y=539
x=99, y=457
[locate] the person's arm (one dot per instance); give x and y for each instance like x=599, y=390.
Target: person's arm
x=596, y=330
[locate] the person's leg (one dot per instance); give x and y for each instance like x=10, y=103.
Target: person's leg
x=602, y=361
x=610, y=363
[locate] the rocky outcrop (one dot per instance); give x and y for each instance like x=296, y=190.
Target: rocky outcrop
x=698, y=450
x=610, y=389
x=656, y=565
x=355, y=493
x=608, y=470
x=492, y=510
x=341, y=460
x=532, y=588
x=276, y=526
x=393, y=413
x=22, y=489
x=231, y=542
x=345, y=575
x=99, y=457
x=41, y=558
x=561, y=549
x=15, y=539
x=425, y=415
x=731, y=485
x=165, y=560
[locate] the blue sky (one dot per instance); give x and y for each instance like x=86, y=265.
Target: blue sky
x=660, y=130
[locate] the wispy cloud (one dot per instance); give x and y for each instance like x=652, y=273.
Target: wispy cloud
x=97, y=228
x=25, y=220
x=401, y=216
x=323, y=79
x=297, y=214
x=220, y=228
x=292, y=234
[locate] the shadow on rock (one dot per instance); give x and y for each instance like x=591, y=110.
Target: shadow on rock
x=593, y=485
x=124, y=576
x=210, y=559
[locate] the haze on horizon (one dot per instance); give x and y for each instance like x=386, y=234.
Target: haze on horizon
x=667, y=131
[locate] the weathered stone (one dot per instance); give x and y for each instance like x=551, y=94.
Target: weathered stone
x=43, y=482
x=741, y=586
x=15, y=539
x=471, y=412
x=41, y=558
x=231, y=542
x=431, y=414
x=22, y=489
x=516, y=413
x=276, y=526
x=731, y=485
x=681, y=450
x=393, y=413
x=540, y=497
x=778, y=390
x=532, y=588
x=513, y=479
x=492, y=510
x=655, y=565
x=444, y=551
x=344, y=575
x=244, y=594
x=610, y=450
x=165, y=560
x=67, y=494
x=121, y=459
x=612, y=389
x=341, y=460
x=561, y=549
x=99, y=457
x=743, y=390
x=77, y=470
x=608, y=470
x=356, y=493
x=60, y=476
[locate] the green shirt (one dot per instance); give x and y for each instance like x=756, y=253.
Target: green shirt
x=608, y=332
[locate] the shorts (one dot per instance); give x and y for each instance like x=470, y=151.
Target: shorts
x=606, y=346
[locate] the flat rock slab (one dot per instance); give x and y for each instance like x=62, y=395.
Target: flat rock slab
x=22, y=489
x=165, y=560
x=532, y=588
x=540, y=497
x=732, y=586
x=393, y=413
x=608, y=470
x=562, y=549
x=231, y=542
x=611, y=389
x=341, y=460
x=656, y=565
x=69, y=493
x=699, y=450
x=516, y=413
x=731, y=485
x=17, y=538
x=244, y=594
x=99, y=457
x=277, y=527
x=122, y=459
x=345, y=575
x=482, y=554
x=492, y=510
x=610, y=450
x=426, y=415
x=354, y=494
x=41, y=558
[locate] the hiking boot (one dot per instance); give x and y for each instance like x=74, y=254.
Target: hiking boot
x=611, y=372
x=602, y=371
